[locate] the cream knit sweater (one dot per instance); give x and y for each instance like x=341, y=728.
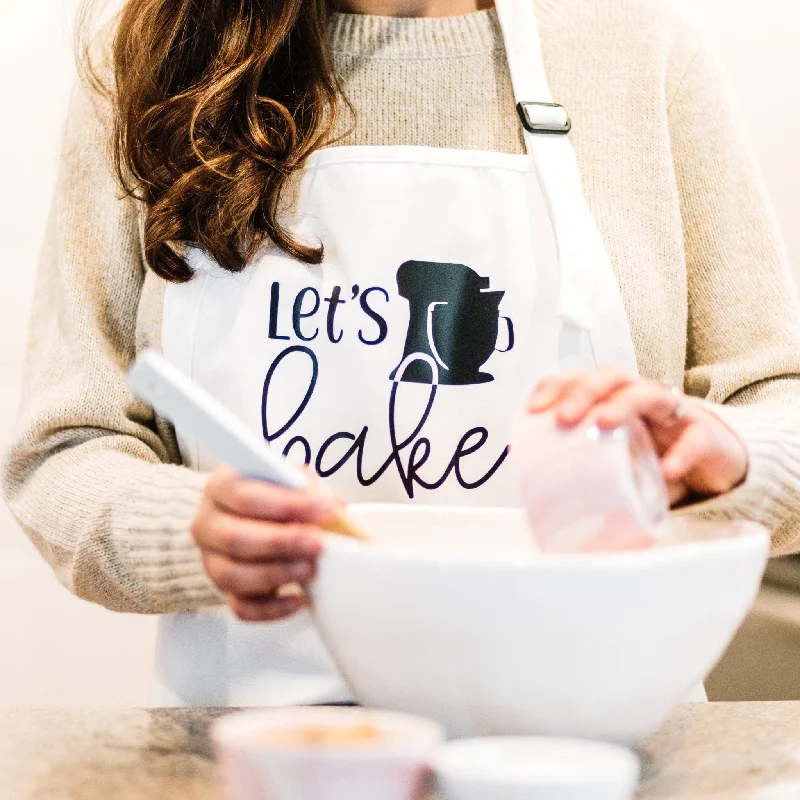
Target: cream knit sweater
x=95, y=480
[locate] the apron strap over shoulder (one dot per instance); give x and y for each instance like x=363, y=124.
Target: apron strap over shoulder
x=545, y=125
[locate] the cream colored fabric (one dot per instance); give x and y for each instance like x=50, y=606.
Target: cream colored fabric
x=95, y=480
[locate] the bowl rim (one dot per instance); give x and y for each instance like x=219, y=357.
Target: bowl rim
x=749, y=536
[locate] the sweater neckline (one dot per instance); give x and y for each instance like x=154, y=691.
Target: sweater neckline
x=415, y=37
x=426, y=37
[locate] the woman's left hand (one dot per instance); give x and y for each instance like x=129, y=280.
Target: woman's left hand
x=700, y=455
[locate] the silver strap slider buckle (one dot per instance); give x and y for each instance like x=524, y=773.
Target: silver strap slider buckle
x=544, y=118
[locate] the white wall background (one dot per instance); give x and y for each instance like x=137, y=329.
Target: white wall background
x=55, y=650
x=58, y=651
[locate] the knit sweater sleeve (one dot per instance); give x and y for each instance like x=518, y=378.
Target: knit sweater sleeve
x=87, y=475
x=744, y=324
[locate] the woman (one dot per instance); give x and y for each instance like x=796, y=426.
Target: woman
x=368, y=233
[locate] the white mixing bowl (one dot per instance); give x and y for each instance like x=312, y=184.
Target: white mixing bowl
x=453, y=614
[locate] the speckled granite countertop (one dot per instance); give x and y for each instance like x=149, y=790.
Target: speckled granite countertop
x=725, y=751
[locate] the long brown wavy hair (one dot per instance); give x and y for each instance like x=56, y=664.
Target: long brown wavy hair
x=216, y=103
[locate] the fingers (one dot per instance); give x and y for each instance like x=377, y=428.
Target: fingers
x=260, y=500
x=572, y=394
x=549, y=390
x=256, y=540
x=251, y=540
x=592, y=389
x=239, y=578
x=687, y=452
x=265, y=609
x=648, y=400
x=699, y=453
x=707, y=457
x=249, y=520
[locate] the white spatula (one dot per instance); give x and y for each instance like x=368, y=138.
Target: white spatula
x=195, y=412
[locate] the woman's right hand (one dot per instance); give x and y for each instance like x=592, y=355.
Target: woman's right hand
x=256, y=538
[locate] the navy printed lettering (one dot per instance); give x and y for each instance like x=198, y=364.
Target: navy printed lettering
x=274, y=307
x=298, y=313
x=333, y=301
x=272, y=435
x=453, y=330
x=383, y=328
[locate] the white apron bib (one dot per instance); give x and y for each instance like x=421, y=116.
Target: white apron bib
x=452, y=281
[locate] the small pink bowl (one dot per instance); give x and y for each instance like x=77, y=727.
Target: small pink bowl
x=260, y=759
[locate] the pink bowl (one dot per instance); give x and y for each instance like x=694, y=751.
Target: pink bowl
x=393, y=766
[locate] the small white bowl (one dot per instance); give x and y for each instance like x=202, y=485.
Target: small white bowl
x=531, y=768
x=263, y=754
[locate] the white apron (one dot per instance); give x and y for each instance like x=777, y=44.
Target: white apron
x=452, y=281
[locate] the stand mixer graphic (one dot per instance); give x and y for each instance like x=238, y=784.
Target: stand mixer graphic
x=453, y=324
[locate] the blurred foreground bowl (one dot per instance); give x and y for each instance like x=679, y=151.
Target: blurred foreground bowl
x=313, y=753
x=452, y=613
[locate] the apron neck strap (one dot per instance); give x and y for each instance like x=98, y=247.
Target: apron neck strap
x=545, y=125
x=523, y=50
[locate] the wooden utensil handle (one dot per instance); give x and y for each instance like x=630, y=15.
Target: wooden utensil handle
x=344, y=526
